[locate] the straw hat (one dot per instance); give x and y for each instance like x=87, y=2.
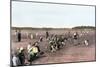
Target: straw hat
x=21, y=49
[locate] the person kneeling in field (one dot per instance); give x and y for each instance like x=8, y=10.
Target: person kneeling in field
x=29, y=45
x=15, y=60
x=86, y=42
x=41, y=39
x=33, y=53
x=21, y=56
x=75, y=36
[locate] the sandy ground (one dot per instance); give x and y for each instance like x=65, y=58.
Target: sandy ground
x=69, y=53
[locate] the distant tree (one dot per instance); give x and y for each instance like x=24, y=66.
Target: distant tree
x=84, y=27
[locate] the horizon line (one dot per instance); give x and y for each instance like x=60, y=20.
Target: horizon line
x=51, y=27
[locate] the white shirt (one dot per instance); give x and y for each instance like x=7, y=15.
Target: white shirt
x=15, y=61
x=28, y=47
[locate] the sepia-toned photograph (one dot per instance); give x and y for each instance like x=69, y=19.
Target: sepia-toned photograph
x=52, y=33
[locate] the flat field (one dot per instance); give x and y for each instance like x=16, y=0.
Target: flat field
x=68, y=53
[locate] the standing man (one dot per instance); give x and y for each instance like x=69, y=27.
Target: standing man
x=47, y=34
x=19, y=36
x=16, y=35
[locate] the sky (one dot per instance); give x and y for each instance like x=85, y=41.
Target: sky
x=31, y=14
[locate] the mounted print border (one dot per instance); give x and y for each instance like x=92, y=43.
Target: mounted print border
x=51, y=33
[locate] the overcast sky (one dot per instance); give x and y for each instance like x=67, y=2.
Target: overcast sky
x=30, y=14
